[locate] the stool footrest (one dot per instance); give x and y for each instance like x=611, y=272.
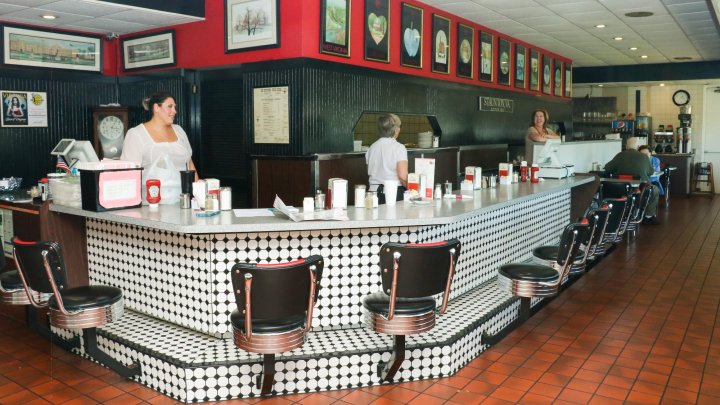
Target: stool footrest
x=91, y=348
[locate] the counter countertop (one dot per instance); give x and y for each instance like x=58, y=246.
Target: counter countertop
x=437, y=212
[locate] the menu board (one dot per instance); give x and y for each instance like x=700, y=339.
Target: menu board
x=271, y=114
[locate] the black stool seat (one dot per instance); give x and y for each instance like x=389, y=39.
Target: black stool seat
x=550, y=253
x=528, y=271
x=269, y=325
x=11, y=280
x=379, y=303
x=87, y=297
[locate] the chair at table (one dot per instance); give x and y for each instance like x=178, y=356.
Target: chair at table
x=42, y=269
x=411, y=275
x=529, y=280
x=275, y=308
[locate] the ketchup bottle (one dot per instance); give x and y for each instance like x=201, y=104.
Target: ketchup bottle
x=153, y=191
x=523, y=171
x=535, y=173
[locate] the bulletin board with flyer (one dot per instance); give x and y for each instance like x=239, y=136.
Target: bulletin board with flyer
x=23, y=108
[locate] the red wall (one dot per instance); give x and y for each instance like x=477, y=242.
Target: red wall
x=201, y=44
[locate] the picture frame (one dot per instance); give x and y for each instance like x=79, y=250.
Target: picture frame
x=534, y=73
x=520, y=66
x=149, y=51
x=43, y=48
x=335, y=27
x=464, y=51
x=440, y=44
x=377, y=31
x=504, y=62
x=568, y=80
x=251, y=25
x=557, y=77
x=546, y=74
x=411, y=36
x=487, y=54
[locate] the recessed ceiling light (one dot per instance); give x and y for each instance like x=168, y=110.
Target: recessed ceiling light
x=633, y=48
x=636, y=14
x=682, y=58
x=662, y=84
x=48, y=16
x=600, y=85
x=600, y=26
x=643, y=56
x=618, y=38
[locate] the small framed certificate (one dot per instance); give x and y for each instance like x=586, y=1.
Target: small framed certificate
x=271, y=118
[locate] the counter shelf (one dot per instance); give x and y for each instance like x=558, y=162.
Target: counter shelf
x=174, y=268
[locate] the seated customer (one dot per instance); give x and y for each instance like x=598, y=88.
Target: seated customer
x=635, y=163
x=655, y=163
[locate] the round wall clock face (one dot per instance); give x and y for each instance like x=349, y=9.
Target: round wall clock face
x=111, y=127
x=681, y=97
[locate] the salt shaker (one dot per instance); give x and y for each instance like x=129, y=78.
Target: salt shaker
x=438, y=191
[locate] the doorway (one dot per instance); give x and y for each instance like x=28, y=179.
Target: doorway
x=711, y=131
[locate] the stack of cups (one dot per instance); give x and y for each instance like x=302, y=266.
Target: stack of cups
x=390, y=188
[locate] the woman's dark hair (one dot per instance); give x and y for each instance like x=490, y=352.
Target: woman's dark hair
x=155, y=98
x=14, y=100
x=545, y=114
x=643, y=147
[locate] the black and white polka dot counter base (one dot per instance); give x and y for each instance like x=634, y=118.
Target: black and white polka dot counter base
x=178, y=295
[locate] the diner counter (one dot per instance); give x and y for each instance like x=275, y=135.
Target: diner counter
x=435, y=212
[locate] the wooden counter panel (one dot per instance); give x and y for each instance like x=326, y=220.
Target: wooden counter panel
x=353, y=169
x=290, y=179
x=69, y=231
x=488, y=158
x=445, y=164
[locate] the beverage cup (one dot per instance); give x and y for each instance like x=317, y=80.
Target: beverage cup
x=187, y=178
x=390, y=188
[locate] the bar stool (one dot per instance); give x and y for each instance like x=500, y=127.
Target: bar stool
x=639, y=210
x=274, y=309
x=530, y=280
x=633, y=203
x=411, y=275
x=42, y=269
x=547, y=255
x=618, y=208
x=703, y=174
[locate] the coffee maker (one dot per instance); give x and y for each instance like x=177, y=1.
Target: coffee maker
x=684, y=131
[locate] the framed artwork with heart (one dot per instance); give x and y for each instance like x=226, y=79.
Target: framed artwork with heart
x=520, y=66
x=377, y=30
x=486, y=57
x=546, y=74
x=568, y=80
x=464, y=54
x=335, y=27
x=411, y=31
x=534, y=70
x=504, y=62
x=440, y=44
x=557, y=82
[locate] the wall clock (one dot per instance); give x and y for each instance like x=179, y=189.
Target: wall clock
x=109, y=127
x=681, y=97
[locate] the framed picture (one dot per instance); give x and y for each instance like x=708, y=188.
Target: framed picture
x=377, y=30
x=504, y=63
x=440, y=44
x=411, y=31
x=534, y=70
x=154, y=50
x=486, y=57
x=50, y=49
x=251, y=24
x=520, y=66
x=464, y=54
x=568, y=80
x=335, y=27
x=557, y=81
x=546, y=74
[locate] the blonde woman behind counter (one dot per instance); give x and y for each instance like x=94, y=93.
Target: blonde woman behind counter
x=160, y=147
x=387, y=158
x=538, y=132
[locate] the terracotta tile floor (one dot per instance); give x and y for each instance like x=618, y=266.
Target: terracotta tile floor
x=641, y=327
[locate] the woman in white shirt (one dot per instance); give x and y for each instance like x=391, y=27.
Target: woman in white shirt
x=387, y=158
x=160, y=147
